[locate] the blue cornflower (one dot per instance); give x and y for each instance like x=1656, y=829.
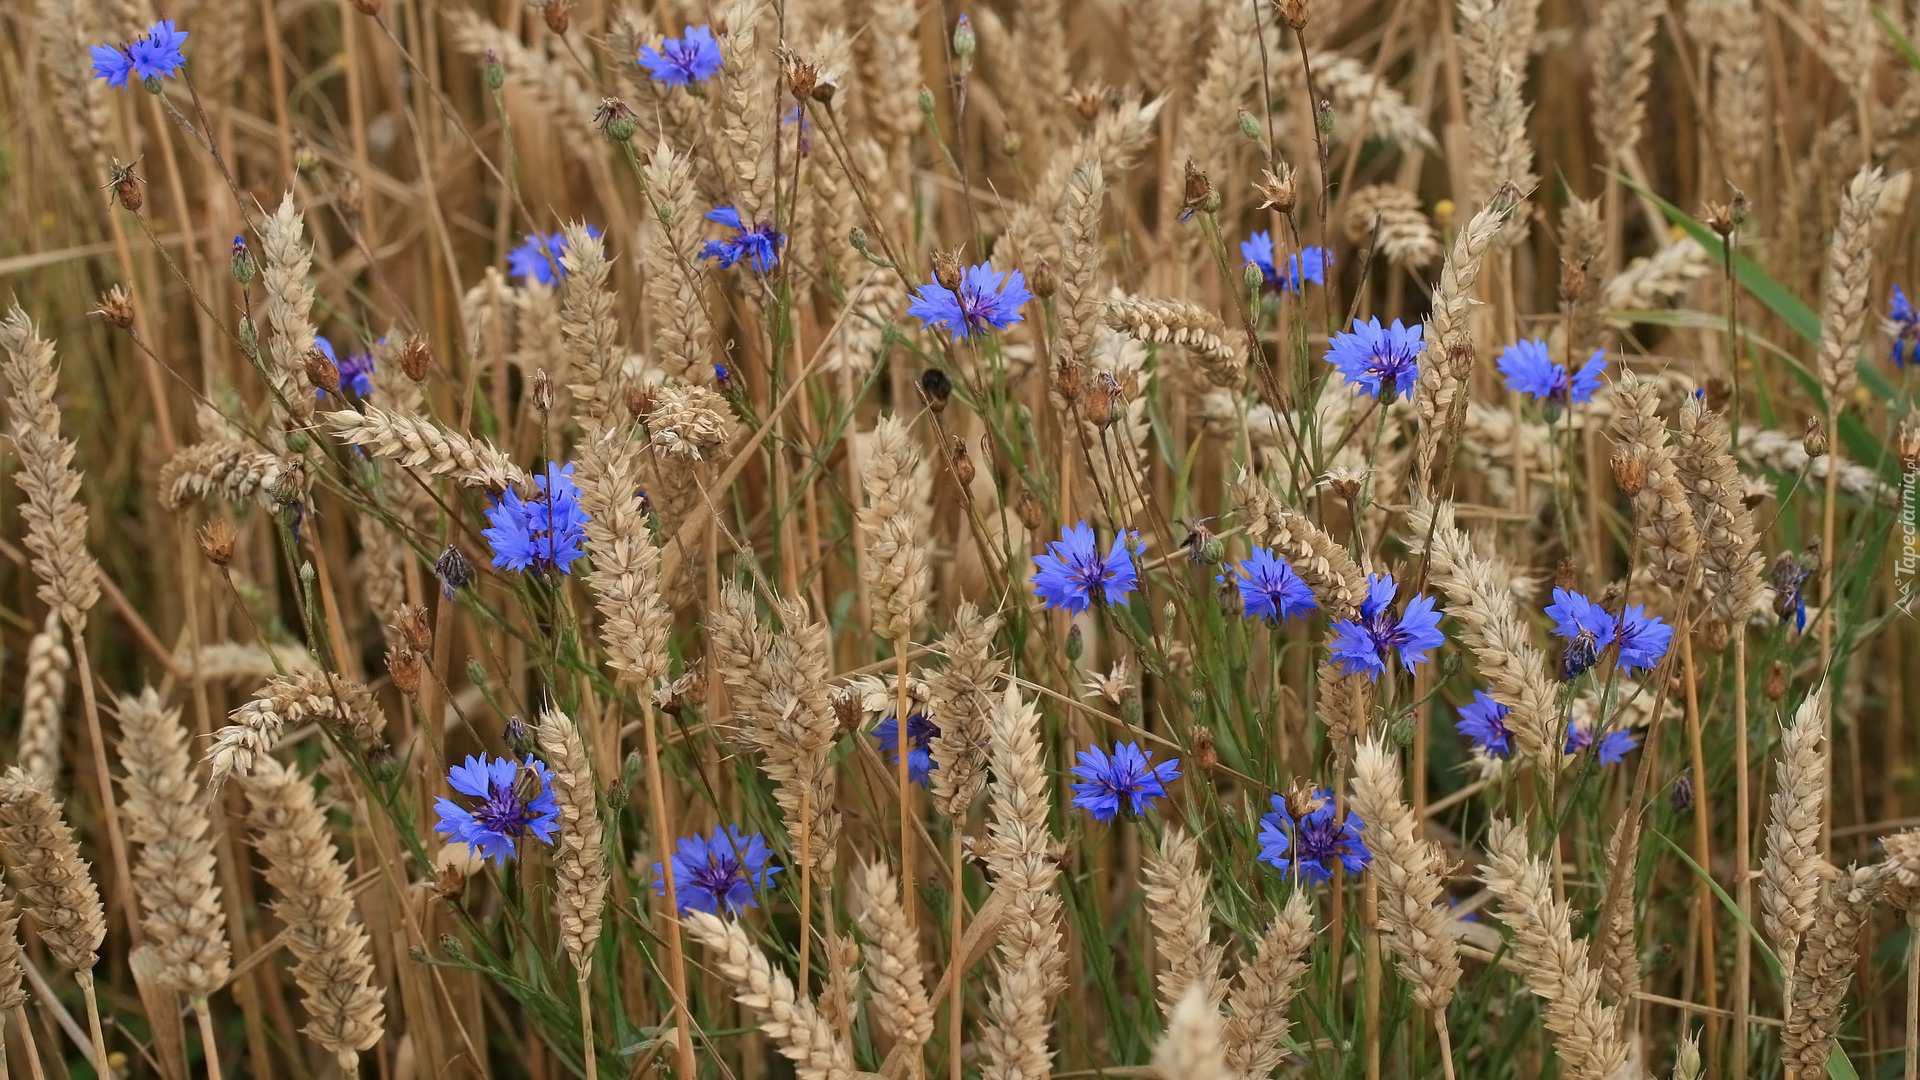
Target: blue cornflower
x=1484, y=720
x=1589, y=629
x=920, y=735
x=1361, y=644
x=541, y=534
x=725, y=869
x=1073, y=568
x=516, y=798
x=1613, y=746
x=1270, y=589
x=1530, y=369
x=680, y=61
x=981, y=301
x=539, y=258
x=1383, y=361
x=156, y=55
x=357, y=372
x=1308, y=840
x=1903, y=322
x=1128, y=774
x=1309, y=265
x=761, y=243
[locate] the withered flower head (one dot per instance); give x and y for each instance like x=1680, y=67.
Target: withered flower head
x=1277, y=192
x=1293, y=13
x=1088, y=100
x=542, y=390
x=962, y=462
x=416, y=357
x=322, y=372
x=126, y=185
x=116, y=306
x=936, y=388
x=1197, y=192
x=614, y=118
x=410, y=622
x=802, y=75
x=947, y=268
x=1629, y=472
x=1815, y=441
x=404, y=668
x=217, y=540
x=557, y=13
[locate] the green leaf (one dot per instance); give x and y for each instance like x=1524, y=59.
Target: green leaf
x=1838, y=1067
x=1900, y=41
x=1777, y=297
x=1773, y=962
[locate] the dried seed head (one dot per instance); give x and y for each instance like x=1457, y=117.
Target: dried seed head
x=1716, y=394
x=947, y=268
x=116, y=306
x=613, y=118
x=1030, y=511
x=410, y=622
x=1277, y=192
x=1682, y=794
x=1719, y=218
x=639, y=402
x=1567, y=576
x=126, y=186
x=1715, y=635
x=416, y=357
x=1815, y=442
x=403, y=665
x=962, y=462
x=322, y=372
x=936, y=388
x=1045, y=281
x=1205, y=755
x=1345, y=481
x=542, y=390
x=1776, y=684
x=1293, y=12
x=1197, y=193
x=217, y=540
x=1629, y=472
x=802, y=76
x=1088, y=100
x=350, y=198
x=1573, y=280
x=557, y=14
x=1066, y=381
x=846, y=709
x=367, y=7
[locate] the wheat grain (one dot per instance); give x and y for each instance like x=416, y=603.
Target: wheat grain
x=1390, y=218
x=1191, y=1048
x=338, y=704
x=43, y=699
x=1642, y=457
x=1730, y=561
x=898, y=577
x=961, y=697
x=1080, y=262
x=418, y=443
x=1180, y=322
x=1322, y=562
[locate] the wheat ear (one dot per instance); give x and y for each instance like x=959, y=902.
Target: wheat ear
x=1176, y=891
x=418, y=443
x=1192, y=1047
x=54, y=885
x=791, y=1021
x=1258, y=1023
x=579, y=857
x=1405, y=867
x=43, y=700
x=332, y=960
x=1790, y=868
x=1586, y=1034
x=344, y=707
x=893, y=957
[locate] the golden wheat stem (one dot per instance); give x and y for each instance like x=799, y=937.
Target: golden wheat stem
x=1742, y=843
x=209, y=1046
x=806, y=885
x=586, y=1023
x=26, y=1037
x=1826, y=605
x=958, y=908
x=1446, y=1044
x=663, y=831
x=1370, y=916
x=903, y=745
x=116, y=842
x=1702, y=845
x=85, y=979
x=1912, y=1070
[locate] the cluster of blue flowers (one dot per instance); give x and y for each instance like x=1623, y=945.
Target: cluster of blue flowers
x=1589, y=629
x=1529, y=369
x=759, y=244
x=984, y=299
x=1072, y=569
x=1310, y=840
x=920, y=735
x=722, y=870
x=516, y=800
x=1903, y=325
x=541, y=534
x=1484, y=721
x=1128, y=774
x=683, y=61
x=152, y=57
x=1382, y=361
x=539, y=258
x=1309, y=265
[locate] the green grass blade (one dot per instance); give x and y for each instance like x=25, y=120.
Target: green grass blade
x=1773, y=962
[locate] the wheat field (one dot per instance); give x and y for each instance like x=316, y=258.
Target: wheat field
x=1185, y=539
